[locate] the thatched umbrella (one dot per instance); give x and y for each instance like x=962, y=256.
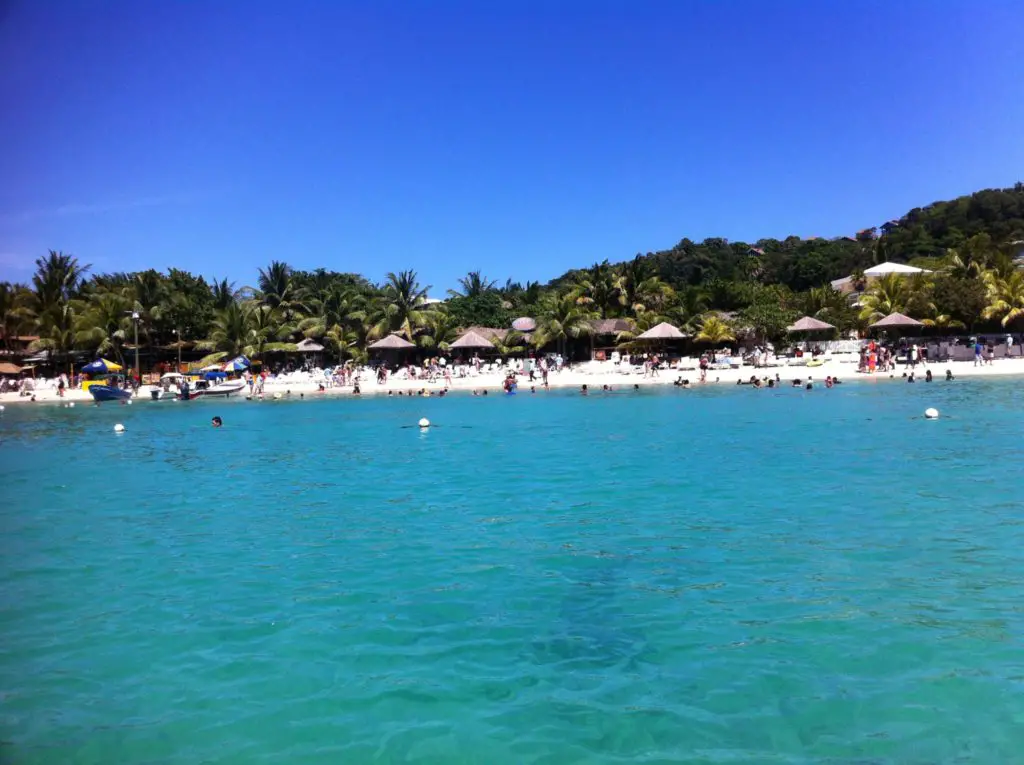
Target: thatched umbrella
x=471, y=339
x=663, y=331
x=524, y=324
x=896, y=321
x=309, y=346
x=809, y=324
x=392, y=343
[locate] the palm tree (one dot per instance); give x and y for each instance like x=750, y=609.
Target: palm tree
x=335, y=305
x=830, y=305
x=267, y=332
x=562, y=318
x=223, y=294
x=56, y=327
x=714, y=330
x=690, y=305
x=888, y=294
x=473, y=284
x=56, y=280
x=230, y=332
x=599, y=289
x=510, y=343
x=401, y=307
x=54, y=285
x=14, y=312
x=441, y=331
x=104, y=323
x=944, y=321
x=277, y=289
x=644, y=321
x=1005, y=298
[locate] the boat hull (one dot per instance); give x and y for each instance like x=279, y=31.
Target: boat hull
x=107, y=393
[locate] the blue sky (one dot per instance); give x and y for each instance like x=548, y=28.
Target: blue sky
x=520, y=138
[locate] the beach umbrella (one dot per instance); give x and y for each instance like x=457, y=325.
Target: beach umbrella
x=471, y=339
x=896, y=321
x=524, y=324
x=392, y=343
x=101, y=367
x=237, y=364
x=809, y=324
x=663, y=331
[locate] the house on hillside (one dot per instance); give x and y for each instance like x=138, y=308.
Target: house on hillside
x=849, y=286
x=889, y=226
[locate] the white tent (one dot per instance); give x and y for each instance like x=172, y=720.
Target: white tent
x=893, y=268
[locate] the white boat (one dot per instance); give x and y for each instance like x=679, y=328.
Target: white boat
x=206, y=389
x=167, y=387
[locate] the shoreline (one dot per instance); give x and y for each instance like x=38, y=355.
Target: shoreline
x=594, y=379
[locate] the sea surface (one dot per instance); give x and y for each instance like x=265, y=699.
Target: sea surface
x=706, y=576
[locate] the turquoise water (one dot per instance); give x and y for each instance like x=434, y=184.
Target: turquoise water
x=706, y=576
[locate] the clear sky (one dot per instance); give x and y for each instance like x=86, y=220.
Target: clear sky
x=518, y=137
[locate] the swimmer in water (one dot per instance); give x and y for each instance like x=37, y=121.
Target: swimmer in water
x=216, y=422
x=949, y=375
x=583, y=390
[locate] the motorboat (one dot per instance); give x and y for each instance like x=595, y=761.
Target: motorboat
x=204, y=389
x=109, y=393
x=168, y=387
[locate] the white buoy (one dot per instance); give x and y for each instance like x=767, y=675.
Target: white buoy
x=424, y=422
x=71, y=404
x=1, y=407
x=931, y=413
x=119, y=428
x=277, y=395
x=129, y=402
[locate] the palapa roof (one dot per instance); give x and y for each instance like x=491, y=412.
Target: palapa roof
x=809, y=324
x=392, y=342
x=490, y=333
x=663, y=331
x=897, y=320
x=472, y=339
x=309, y=346
x=610, y=326
x=6, y=368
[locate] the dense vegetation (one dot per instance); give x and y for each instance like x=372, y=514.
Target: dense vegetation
x=715, y=290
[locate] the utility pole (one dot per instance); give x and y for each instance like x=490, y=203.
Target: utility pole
x=138, y=369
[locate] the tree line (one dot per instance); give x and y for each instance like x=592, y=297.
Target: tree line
x=714, y=290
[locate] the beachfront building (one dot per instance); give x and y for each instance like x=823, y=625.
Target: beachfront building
x=849, y=285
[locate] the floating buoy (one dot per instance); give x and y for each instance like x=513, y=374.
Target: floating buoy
x=129, y=402
x=119, y=428
x=1, y=407
x=931, y=414
x=424, y=422
x=277, y=395
x=71, y=404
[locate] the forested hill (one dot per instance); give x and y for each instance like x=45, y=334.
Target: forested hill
x=804, y=263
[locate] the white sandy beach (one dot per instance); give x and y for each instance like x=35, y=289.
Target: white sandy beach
x=593, y=374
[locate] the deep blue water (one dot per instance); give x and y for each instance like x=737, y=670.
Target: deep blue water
x=707, y=576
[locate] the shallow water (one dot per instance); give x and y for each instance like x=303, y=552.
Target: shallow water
x=712, y=576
